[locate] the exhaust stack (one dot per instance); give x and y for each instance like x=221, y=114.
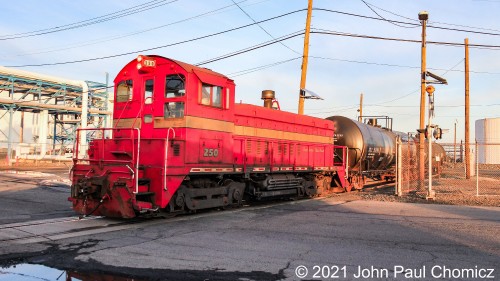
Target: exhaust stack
x=268, y=97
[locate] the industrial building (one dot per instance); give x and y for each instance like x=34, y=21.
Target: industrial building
x=39, y=114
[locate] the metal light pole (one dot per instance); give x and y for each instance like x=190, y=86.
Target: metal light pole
x=430, y=90
x=423, y=17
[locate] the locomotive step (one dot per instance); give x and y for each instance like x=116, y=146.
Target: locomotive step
x=144, y=181
x=126, y=153
x=147, y=193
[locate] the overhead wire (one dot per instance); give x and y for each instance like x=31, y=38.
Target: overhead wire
x=111, y=16
x=415, y=91
x=431, y=22
x=316, y=31
x=407, y=23
x=107, y=39
x=162, y=46
x=254, y=47
x=331, y=32
x=203, y=14
x=392, y=13
x=384, y=103
x=389, y=21
x=250, y=17
x=257, y=68
x=250, y=70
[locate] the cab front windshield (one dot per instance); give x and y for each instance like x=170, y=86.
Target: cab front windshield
x=174, y=96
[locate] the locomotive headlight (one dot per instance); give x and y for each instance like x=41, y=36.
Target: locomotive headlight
x=145, y=63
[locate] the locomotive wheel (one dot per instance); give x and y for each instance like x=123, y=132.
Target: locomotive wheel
x=177, y=203
x=238, y=197
x=310, y=191
x=180, y=200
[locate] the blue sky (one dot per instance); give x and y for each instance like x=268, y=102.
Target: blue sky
x=340, y=67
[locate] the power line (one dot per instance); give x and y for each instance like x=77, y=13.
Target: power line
x=254, y=69
x=415, y=91
x=315, y=31
x=389, y=21
x=363, y=62
x=464, y=30
x=119, y=14
x=160, y=47
x=407, y=23
x=467, y=26
x=392, y=13
x=216, y=10
x=107, y=39
x=437, y=22
x=330, y=32
x=255, y=47
x=384, y=104
x=250, y=17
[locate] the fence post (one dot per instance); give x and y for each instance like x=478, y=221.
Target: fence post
x=477, y=170
x=399, y=166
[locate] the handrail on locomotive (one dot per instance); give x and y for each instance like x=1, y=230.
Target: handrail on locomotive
x=81, y=155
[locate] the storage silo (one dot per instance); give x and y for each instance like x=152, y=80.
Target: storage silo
x=488, y=139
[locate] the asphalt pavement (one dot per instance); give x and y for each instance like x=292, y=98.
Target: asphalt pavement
x=319, y=239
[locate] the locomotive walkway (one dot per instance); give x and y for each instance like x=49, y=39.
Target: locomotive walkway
x=272, y=242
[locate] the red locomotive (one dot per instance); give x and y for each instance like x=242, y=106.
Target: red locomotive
x=180, y=142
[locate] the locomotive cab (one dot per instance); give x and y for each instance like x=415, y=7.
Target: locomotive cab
x=166, y=114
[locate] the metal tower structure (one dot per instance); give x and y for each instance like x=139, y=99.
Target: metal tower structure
x=55, y=106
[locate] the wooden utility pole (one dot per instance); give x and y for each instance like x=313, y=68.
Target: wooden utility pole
x=423, y=17
x=467, y=152
x=302, y=94
x=360, y=119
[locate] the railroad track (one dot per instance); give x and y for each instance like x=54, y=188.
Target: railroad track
x=61, y=228
x=66, y=227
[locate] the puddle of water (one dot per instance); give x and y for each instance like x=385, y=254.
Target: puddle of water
x=35, y=272
x=31, y=272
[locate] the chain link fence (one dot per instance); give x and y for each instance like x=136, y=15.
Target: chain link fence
x=450, y=174
x=488, y=168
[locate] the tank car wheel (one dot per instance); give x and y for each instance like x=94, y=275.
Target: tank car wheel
x=358, y=182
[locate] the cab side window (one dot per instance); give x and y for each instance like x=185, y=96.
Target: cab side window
x=175, y=86
x=211, y=95
x=124, y=91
